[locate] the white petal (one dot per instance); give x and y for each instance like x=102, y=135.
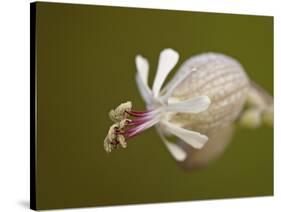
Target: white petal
x=167, y=60
x=144, y=89
x=181, y=75
x=142, y=67
x=194, y=139
x=193, y=105
x=142, y=78
x=177, y=152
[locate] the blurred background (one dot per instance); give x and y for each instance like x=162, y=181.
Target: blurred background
x=85, y=67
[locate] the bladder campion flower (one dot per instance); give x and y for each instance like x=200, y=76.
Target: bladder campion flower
x=197, y=106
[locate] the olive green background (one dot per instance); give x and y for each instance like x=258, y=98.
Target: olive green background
x=85, y=67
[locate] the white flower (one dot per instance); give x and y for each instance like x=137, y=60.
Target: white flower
x=160, y=107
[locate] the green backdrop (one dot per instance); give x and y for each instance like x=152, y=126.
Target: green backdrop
x=85, y=67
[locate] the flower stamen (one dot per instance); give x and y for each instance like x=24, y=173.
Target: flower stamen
x=127, y=124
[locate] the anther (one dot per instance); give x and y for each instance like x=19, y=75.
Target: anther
x=119, y=113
